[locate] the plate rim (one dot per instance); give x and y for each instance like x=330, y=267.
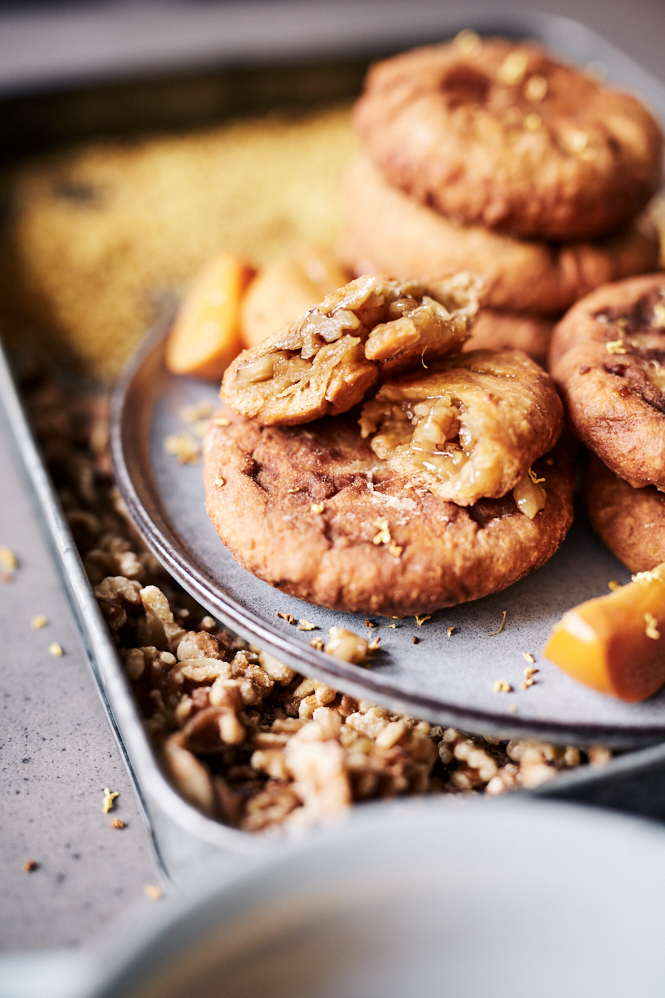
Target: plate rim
x=344, y=676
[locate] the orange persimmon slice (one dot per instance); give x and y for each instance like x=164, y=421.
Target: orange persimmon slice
x=205, y=336
x=616, y=643
x=286, y=288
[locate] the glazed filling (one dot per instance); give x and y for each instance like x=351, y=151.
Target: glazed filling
x=402, y=324
x=288, y=367
x=396, y=322
x=528, y=495
x=429, y=433
x=656, y=375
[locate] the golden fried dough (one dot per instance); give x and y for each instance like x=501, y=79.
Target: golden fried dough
x=470, y=428
x=312, y=511
x=494, y=330
x=606, y=355
x=631, y=522
x=501, y=134
x=392, y=234
x=325, y=361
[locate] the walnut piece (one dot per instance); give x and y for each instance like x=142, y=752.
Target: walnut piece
x=327, y=360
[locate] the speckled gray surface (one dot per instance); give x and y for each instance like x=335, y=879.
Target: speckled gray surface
x=57, y=753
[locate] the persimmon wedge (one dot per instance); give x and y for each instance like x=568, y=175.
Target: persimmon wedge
x=205, y=336
x=616, y=643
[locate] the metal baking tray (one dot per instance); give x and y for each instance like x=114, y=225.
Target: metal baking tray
x=634, y=781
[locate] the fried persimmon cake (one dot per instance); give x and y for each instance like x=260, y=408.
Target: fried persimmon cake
x=467, y=429
x=607, y=356
x=326, y=360
x=494, y=330
x=393, y=234
x=312, y=511
x=630, y=522
x=499, y=133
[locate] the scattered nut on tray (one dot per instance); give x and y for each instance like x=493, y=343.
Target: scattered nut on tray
x=243, y=737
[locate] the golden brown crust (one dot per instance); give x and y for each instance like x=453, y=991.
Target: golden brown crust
x=507, y=137
x=276, y=478
x=495, y=330
x=606, y=357
x=631, y=522
x=328, y=358
x=392, y=234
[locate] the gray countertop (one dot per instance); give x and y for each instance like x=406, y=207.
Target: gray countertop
x=57, y=753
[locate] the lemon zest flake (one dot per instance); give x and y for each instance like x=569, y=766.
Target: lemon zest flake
x=467, y=41
x=513, y=68
x=109, y=798
x=383, y=536
x=500, y=627
x=651, y=629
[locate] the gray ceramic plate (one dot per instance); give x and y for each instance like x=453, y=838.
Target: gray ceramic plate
x=445, y=679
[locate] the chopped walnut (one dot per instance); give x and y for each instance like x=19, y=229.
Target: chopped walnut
x=242, y=736
x=329, y=357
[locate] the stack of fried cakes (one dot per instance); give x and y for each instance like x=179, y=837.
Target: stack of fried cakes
x=494, y=157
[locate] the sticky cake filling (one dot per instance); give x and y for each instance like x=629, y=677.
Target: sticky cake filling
x=326, y=360
x=468, y=428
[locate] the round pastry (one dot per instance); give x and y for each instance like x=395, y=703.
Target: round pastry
x=606, y=356
x=510, y=331
x=312, y=511
x=392, y=234
x=328, y=358
x=468, y=428
x=501, y=134
x=630, y=522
